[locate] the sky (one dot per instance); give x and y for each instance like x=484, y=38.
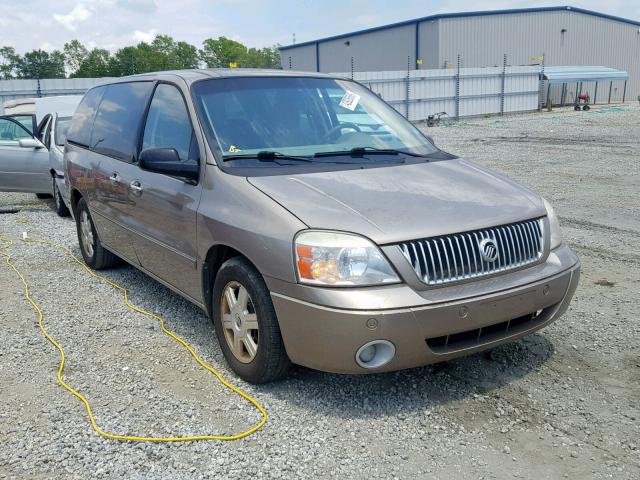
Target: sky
x=111, y=24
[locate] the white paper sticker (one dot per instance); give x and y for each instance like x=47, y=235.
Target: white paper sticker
x=350, y=101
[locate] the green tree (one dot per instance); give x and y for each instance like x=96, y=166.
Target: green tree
x=185, y=55
x=221, y=53
x=74, y=54
x=95, y=64
x=41, y=64
x=8, y=62
x=268, y=57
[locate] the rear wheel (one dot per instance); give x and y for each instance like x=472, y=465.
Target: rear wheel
x=60, y=207
x=246, y=323
x=42, y=196
x=93, y=253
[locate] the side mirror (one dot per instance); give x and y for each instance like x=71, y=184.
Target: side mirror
x=30, y=143
x=167, y=161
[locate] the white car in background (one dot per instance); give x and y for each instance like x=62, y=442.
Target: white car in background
x=32, y=138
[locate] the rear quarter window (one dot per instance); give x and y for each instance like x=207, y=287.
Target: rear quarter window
x=80, y=128
x=117, y=123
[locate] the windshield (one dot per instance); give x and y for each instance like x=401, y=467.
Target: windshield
x=313, y=118
x=62, y=125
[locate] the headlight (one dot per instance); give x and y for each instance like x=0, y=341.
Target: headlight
x=554, y=225
x=340, y=259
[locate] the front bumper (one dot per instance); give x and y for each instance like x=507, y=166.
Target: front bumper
x=327, y=338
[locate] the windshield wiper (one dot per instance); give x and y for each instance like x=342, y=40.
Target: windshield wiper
x=267, y=156
x=359, y=152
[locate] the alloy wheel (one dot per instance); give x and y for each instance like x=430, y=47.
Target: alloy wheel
x=239, y=322
x=86, y=233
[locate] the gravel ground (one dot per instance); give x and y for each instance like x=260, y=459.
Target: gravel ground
x=564, y=402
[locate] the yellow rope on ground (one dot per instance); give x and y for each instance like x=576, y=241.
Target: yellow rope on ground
x=4, y=252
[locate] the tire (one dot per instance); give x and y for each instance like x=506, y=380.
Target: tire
x=577, y=108
x=586, y=107
x=58, y=202
x=270, y=361
x=42, y=196
x=96, y=257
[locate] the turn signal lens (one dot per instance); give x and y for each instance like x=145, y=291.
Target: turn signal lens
x=340, y=259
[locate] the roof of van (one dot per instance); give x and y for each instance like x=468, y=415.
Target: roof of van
x=191, y=76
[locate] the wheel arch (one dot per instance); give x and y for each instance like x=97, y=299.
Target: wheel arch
x=75, y=198
x=215, y=258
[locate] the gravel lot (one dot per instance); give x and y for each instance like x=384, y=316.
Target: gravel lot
x=564, y=402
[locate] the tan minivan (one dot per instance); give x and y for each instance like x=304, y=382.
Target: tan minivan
x=311, y=221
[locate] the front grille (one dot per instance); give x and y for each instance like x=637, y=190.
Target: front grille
x=488, y=334
x=460, y=256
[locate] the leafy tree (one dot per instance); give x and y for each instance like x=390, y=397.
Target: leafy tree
x=185, y=56
x=95, y=64
x=268, y=57
x=163, y=53
x=221, y=53
x=74, y=54
x=41, y=64
x=8, y=62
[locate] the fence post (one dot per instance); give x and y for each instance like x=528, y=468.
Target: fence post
x=624, y=92
x=541, y=84
x=458, y=89
x=610, y=88
x=38, y=88
x=351, y=68
x=595, y=94
x=407, y=89
x=504, y=76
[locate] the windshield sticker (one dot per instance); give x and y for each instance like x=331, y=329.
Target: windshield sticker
x=233, y=149
x=350, y=101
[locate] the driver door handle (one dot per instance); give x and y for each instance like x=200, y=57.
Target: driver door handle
x=136, y=186
x=115, y=177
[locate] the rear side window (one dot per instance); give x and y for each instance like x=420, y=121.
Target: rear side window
x=117, y=124
x=80, y=128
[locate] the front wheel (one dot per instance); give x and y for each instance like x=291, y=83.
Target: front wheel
x=93, y=253
x=246, y=324
x=60, y=206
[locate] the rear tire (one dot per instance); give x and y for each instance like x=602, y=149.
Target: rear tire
x=246, y=324
x=93, y=253
x=60, y=207
x=43, y=196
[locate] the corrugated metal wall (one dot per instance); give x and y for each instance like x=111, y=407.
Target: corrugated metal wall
x=586, y=40
x=476, y=91
x=12, y=89
x=565, y=38
x=392, y=48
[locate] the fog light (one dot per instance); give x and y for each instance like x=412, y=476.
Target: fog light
x=375, y=354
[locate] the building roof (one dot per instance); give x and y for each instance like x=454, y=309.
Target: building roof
x=582, y=74
x=466, y=14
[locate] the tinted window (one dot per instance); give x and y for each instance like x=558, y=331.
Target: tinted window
x=168, y=124
x=116, y=127
x=25, y=120
x=80, y=128
x=12, y=131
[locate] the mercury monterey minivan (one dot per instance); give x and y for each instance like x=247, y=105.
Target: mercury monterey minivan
x=311, y=221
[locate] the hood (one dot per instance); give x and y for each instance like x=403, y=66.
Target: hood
x=403, y=202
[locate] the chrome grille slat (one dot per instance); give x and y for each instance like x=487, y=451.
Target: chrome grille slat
x=455, y=257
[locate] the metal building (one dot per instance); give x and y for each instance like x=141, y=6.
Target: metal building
x=564, y=35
